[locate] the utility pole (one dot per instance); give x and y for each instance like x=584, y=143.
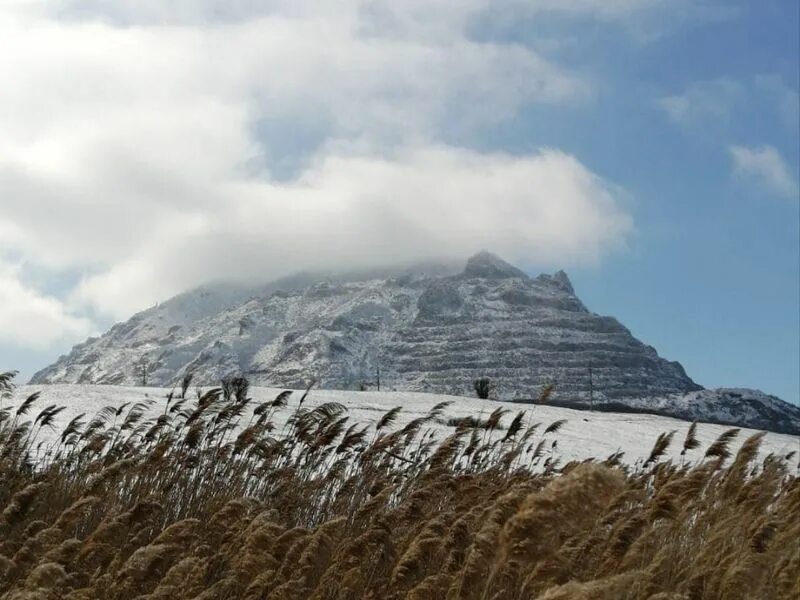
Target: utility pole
x=378, y=374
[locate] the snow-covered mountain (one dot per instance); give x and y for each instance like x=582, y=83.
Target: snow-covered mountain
x=433, y=329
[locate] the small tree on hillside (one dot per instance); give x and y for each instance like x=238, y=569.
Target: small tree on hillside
x=483, y=387
x=142, y=369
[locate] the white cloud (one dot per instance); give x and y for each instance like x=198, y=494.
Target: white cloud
x=702, y=102
x=433, y=15
x=784, y=99
x=155, y=146
x=706, y=103
x=360, y=210
x=32, y=320
x=105, y=125
x=766, y=167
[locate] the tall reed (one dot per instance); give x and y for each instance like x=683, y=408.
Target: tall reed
x=210, y=499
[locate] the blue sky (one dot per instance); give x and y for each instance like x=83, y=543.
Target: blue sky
x=650, y=148
x=711, y=279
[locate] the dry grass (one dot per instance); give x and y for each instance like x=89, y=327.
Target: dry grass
x=207, y=502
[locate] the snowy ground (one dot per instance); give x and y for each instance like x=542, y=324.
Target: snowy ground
x=584, y=435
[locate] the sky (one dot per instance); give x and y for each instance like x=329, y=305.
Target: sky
x=648, y=147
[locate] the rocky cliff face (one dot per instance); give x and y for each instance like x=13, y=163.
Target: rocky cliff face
x=426, y=330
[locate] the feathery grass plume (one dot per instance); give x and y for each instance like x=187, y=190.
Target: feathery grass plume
x=749, y=450
x=73, y=429
x=438, y=409
x=145, y=566
x=690, y=442
x=186, y=383
x=546, y=392
x=493, y=422
x=413, y=565
x=566, y=506
x=515, y=426
x=47, y=576
x=388, y=418
x=616, y=586
x=43, y=413
x=614, y=459
x=763, y=534
x=555, y=426
x=432, y=587
x=735, y=482
x=307, y=391
x=660, y=447
x=537, y=453
x=22, y=501
x=530, y=431
x=26, y=405
x=197, y=499
x=720, y=446
x=447, y=450
x=75, y=512
x=352, y=439
x=471, y=582
x=7, y=383
x=47, y=417
x=280, y=401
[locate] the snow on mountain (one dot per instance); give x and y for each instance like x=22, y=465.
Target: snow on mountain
x=725, y=406
x=433, y=329
x=584, y=435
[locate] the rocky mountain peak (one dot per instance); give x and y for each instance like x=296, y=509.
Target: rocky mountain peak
x=562, y=280
x=486, y=265
x=434, y=330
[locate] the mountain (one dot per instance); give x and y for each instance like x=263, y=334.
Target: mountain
x=431, y=328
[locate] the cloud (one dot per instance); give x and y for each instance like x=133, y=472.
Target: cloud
x=154, y=146
x=29, y=319
x=765, y=167
x=435, y=16
x=702, y=102
x=723, y=109
x=105, y=125
x=362, y=210
x=784, y=99
x=721, y=101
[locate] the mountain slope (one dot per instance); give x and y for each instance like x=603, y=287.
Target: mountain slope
x=434, y=330
x=426, y=332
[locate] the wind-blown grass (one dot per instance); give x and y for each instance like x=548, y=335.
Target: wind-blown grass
x=210, y=499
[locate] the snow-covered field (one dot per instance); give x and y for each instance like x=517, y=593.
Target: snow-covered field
x=584, y=435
